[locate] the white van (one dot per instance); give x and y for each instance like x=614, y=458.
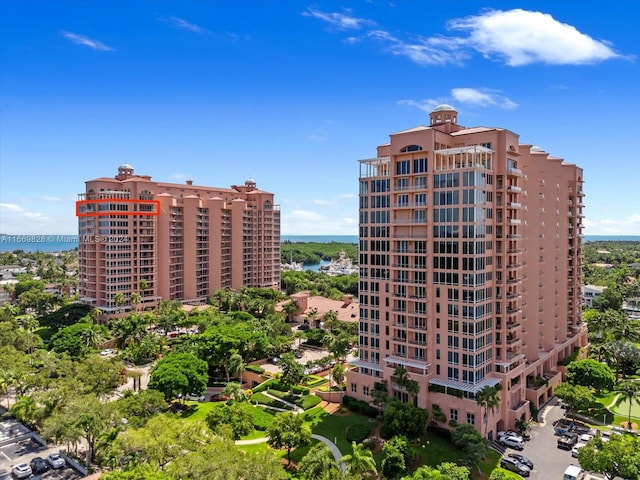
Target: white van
x=573, y=472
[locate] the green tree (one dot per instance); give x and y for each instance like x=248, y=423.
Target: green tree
x=630, y=393
x=338, y=373
x=576, y=397
x=237, y=416
x=288, y=431
x=236, y=366
x=590, y=373
x=489, y=399
x=380, y=394
x=395, y=457
x=292, y=371
x=444, y=471
x=138, y=408
x=474, y=447
x=179, y=373
x=234, y=391
x=73, y=339
x=360, y=461
x=619, y=457
x=403, y=419
x=319, y=464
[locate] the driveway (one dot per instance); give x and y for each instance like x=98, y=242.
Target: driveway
x=549, y=461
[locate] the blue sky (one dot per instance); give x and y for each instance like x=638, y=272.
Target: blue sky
x=293, y=94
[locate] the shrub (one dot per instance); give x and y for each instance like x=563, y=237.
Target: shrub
x=308, y=401
x=261, y=419
x=358, y=406
x=264, y=386
x=255, y=369
x=358, y=432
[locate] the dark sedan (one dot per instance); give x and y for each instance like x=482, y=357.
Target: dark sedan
x=522, y=459
x=39, y=465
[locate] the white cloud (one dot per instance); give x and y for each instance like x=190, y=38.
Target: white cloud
x=307, y=222
x=522, y=37
x=315, y=138
x=518, y=37
x=423, y=50
x=11, y=207
x=339, y=20
x=192, y=27
x=50, y=198
x=482, y=98
x=86, y=41
x=629, y=225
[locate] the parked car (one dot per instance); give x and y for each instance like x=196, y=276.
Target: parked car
x=304, y=326
x=576, y=448
x=515, y=466
x=567, y=441
x=56, y=461
x=522, y=459
x=511, y=441
x=39, y=465
x=509, y=433
x=585, y=437
x=4, y=474
x=195, y=398
x=22, y=470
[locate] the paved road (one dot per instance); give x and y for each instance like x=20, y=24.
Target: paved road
x=549, y=461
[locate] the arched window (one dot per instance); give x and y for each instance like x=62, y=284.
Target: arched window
x=410, y=148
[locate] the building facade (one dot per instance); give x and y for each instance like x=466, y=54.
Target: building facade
x=142, y=241
x=470, y=270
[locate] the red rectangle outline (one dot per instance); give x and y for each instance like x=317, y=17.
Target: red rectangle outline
x=115, y=212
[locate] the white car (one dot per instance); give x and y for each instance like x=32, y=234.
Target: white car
x=22, y=470
x=585, y=437
x=509, y=433
x=55, y=460
x=511, y=441
x=576, y=448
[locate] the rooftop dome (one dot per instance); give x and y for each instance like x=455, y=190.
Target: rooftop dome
x=444, y=107
x=125, y=166
x=536, y=148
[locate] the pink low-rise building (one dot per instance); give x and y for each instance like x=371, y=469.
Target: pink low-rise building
x=470, y=270
x=142, y=241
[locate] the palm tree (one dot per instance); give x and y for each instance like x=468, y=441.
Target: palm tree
x=92, y=337
x=360, y=462
x=236, y=366
x=290, y=308
x=489, y=399
x=6, y=382
x=338, y=374
x=629, y=392
x=318, y=463
x=234, y=391
x=25, y=409
x=413, y=389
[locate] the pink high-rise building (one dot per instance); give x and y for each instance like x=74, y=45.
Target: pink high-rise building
x=143, y=241
x=470, y=270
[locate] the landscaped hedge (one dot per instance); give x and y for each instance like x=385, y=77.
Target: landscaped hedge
x=261, y=419
x=308, y=401
x=274, y=384
x=358, y=432
x=262, y=399
x=359, y=406
x=255, y=369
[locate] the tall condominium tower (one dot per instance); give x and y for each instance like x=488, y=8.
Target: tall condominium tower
x=470, y=271
x=143, y=241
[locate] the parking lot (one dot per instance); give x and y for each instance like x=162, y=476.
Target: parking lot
x=549, y=461
x=17, y=446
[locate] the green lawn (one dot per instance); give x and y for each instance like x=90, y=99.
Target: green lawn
x=622, y=410
x=335, y=427
x=199, y=411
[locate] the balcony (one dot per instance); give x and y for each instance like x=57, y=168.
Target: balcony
x=514, y=188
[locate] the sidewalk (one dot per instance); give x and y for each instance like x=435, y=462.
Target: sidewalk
x=296, y=409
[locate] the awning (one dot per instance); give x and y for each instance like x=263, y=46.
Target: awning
x=465, y=387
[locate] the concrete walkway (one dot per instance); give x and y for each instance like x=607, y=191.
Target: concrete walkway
x=335, y=451
x=333, y=447
x=296, y=409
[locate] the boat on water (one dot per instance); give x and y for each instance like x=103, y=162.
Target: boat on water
x=292, y=267
x=343, y=265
